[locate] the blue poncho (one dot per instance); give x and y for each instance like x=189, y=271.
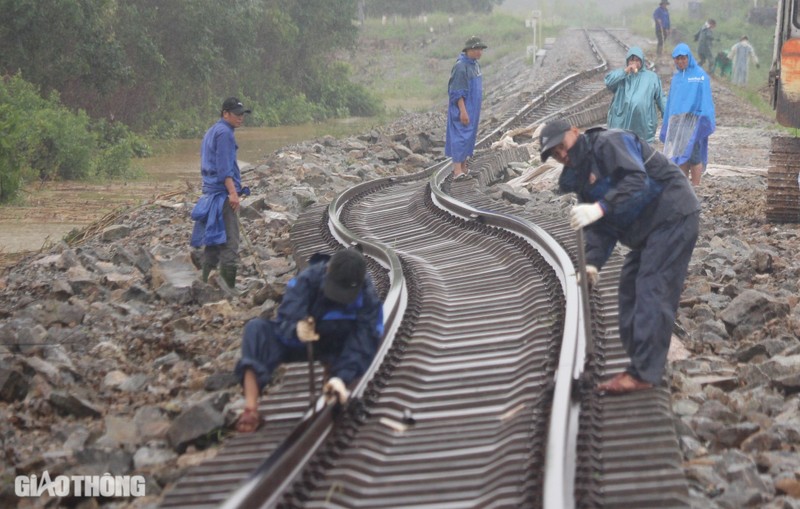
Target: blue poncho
x=466, y=81
x=690, y=117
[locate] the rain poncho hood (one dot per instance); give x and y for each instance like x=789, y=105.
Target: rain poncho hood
x=690, y=116
x=638, y=97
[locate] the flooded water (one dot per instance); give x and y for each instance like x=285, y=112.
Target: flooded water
x=55, y=209
x=177, y=160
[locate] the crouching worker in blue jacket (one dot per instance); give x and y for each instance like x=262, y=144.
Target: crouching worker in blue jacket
x=334, y=303
x=632, y=194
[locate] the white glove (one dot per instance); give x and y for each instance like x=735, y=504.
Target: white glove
x=584, y=215
x=306, y=331
x=335, y=388
x=592, y=275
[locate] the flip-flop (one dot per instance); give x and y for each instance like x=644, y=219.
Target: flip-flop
x=461, y=176
x=623, y=384
x=249, y=421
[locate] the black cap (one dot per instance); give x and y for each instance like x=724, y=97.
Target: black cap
x=552, y=134
x=474, y=42
x=664, y=2
x=345, y=277
x=234, y=105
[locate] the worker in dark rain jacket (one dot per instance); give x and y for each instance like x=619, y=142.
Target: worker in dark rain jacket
x=638, y=97
x=333, y=303
x=630, y=193
x=465, y=91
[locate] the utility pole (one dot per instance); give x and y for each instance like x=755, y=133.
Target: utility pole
x=533, y=22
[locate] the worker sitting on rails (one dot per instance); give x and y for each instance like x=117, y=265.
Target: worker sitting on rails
x=638, y=97
x=332, y=303
x=628, y=192
x=690, y=118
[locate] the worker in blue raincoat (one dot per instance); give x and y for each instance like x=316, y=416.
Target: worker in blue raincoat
x=216, y=224
x=690, y=118
x=630, y=193
x=638, y=97
x=333, y=303
x=465, y=90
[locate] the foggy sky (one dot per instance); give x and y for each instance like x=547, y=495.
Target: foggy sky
x=526, y=6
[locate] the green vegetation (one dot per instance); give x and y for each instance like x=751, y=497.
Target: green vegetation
x=164, y=67
x=407, y=61
x=410, y=8
x=42, y=139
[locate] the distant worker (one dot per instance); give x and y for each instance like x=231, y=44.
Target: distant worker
x=630, y=193
x=723, y=64
x=637, y=96
x=690, y=117
x=740, y=54
x=661, y=19
x=705, y=41
x=216, y=222
x=332, y=303
x=465, y=90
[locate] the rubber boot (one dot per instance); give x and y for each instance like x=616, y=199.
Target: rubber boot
x=206, y=271
x=228, y=274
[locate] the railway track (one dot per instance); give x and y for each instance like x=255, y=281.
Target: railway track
x=478, y=397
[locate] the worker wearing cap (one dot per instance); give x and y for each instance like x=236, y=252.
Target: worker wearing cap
x=216, y=224
x=661, y=19
x=465, y=90
x=334, y=303
x=630, y=193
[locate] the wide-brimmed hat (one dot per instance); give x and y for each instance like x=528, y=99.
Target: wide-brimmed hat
x=345, y=277
x=552, y=134
x=474, y=42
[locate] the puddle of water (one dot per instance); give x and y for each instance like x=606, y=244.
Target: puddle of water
x=179, y=160
x=18, y=237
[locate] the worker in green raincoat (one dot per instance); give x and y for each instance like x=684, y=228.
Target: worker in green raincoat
x=637, y=96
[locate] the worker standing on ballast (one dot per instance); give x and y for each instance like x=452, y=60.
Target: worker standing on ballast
x=628, y=192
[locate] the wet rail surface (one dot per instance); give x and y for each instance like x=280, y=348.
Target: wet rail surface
x=456, y=415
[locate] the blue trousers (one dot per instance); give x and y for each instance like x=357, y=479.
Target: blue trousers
x=650, y=287
x=263, y=351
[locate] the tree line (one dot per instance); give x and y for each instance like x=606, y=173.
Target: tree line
x=81, y=81
x=156, y=64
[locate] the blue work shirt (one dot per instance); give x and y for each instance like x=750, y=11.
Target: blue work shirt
x=218, y=159
x=661, y=15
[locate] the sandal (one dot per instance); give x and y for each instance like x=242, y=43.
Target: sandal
x=460, y=176
x=249, y=421
x=623, y=383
